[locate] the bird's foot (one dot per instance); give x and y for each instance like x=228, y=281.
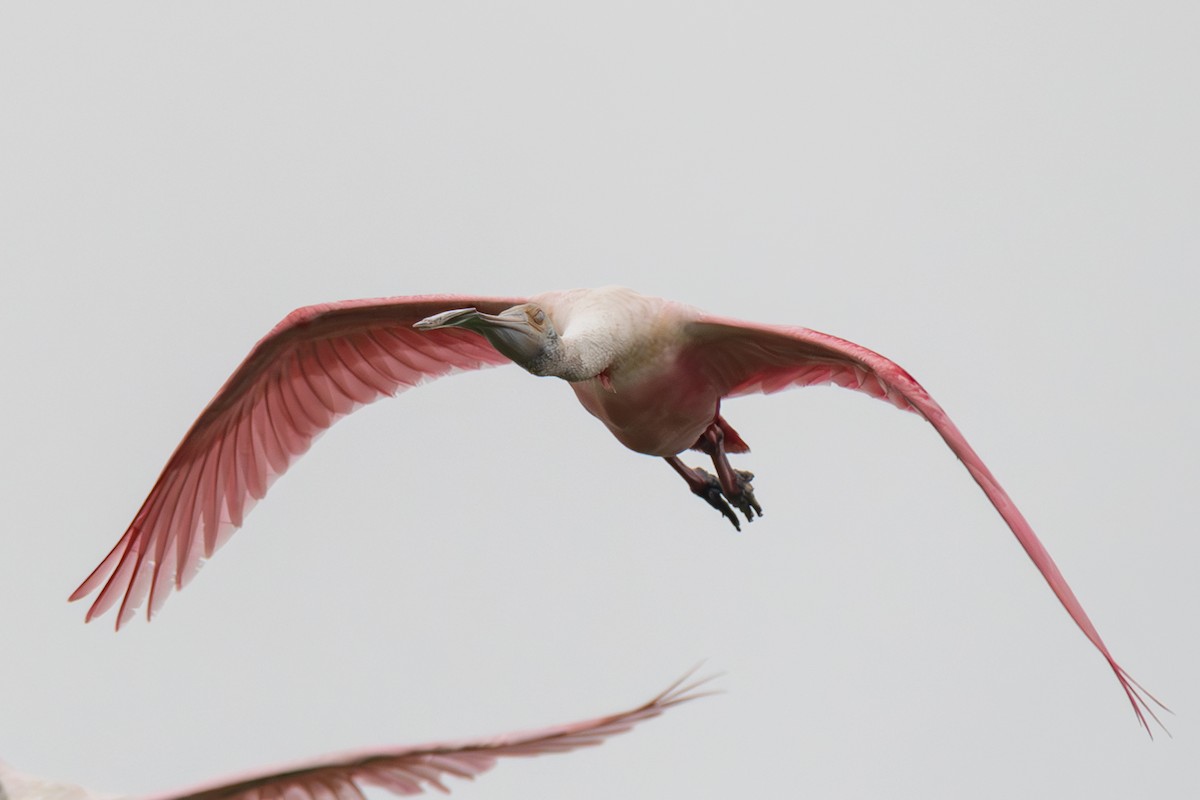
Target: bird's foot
x=709, y=489
x=744, y=500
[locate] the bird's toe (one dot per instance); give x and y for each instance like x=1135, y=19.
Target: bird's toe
x=745, y=501
x=710, y=491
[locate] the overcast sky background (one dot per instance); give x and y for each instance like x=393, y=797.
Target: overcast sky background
x=1002, y=199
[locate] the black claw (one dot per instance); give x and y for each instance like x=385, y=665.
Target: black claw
x=718, y=502
x=707, y=486
x=711, y=493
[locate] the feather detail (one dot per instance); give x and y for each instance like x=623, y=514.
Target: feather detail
x=743, y=358
x=317, y=365
x=415, y=769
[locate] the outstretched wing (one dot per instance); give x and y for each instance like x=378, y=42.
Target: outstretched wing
x=743, y=358
x=317, y=365
x=413, y=770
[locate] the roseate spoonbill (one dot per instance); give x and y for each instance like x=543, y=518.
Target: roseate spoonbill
x=406, y=770
x=652, y=370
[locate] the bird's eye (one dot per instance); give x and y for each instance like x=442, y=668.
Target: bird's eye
x=539, y=317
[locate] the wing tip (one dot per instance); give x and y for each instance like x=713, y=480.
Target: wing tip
x=1142, y=701
x=685, y=688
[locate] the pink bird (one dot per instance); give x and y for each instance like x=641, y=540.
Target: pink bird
x=652, y=370
x=400, y=770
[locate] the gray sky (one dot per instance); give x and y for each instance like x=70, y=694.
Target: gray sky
x=1003, y=200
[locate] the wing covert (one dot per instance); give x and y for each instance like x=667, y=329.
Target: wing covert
x=317, y=365
x=416, y=769
x=743, y=358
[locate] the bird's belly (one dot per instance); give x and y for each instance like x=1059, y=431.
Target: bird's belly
x=658, y=417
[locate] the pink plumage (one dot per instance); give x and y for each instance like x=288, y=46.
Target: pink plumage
x=651, y=370
x=317, y=365
x=402, y=770
x=413, y=770
x=770, y=358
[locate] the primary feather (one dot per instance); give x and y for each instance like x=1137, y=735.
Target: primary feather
x=317, y=365
x=402, y=770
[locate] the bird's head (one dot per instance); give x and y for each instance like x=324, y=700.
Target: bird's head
x=524, y=333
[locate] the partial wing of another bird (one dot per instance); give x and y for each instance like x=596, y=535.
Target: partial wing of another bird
x=317, y=365
x=415, y=769
x=744, y=358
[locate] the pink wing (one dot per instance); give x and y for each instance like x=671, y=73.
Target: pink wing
x=317, y=365
x=743, y=358
x=413, y=770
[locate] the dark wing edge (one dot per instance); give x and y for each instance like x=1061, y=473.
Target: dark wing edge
x=317, y=365
x=415, y=769
x=745, y=358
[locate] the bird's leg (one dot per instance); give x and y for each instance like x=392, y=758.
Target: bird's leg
x=728, y=486
x=705, y=486
x=735, y=483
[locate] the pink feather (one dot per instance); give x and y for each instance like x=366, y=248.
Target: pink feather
x=317, y=365
x=744, y=358
x=413, y=770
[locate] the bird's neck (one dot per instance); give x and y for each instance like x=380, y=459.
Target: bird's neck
x=572, y=358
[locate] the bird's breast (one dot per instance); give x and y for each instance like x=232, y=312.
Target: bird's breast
x=658, y=412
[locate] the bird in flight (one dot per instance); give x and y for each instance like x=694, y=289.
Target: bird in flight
x=405, y=771
x=653, y=371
